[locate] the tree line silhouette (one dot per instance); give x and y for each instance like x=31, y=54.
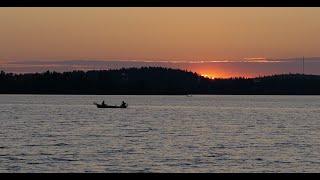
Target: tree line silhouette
x=153, y=80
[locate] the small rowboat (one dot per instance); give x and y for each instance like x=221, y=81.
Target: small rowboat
x=108, y=106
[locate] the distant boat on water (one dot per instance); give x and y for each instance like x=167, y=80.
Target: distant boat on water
x=123, y=105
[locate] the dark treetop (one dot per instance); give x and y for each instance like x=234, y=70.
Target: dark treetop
x=152, y=80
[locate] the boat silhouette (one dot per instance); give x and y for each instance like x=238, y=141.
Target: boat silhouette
x=124, y=105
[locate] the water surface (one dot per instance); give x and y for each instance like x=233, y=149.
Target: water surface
x=55, y=133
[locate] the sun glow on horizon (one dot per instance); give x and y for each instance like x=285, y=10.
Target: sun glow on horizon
x=211, y=73
x=207, y=76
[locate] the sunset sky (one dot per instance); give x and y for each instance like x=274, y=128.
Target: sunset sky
x=220, y=42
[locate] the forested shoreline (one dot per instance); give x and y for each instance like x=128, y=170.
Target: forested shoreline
x=154, y=80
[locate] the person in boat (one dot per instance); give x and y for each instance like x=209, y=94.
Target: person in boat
x=103, y=104
x=123, y=104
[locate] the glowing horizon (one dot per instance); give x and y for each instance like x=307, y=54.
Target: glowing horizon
x=217, y=41
x=213, y=69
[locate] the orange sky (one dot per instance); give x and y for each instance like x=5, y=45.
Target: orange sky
x=171, y=34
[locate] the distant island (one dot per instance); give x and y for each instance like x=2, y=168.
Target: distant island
x=153, y=81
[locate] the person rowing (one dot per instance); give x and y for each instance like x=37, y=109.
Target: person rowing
x=123, y=104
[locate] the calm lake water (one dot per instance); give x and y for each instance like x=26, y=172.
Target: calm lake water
x=49, y=133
